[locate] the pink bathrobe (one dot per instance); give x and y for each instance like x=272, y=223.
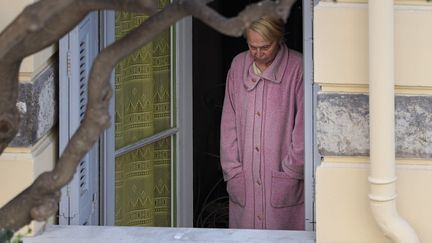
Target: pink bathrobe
x=262, y=143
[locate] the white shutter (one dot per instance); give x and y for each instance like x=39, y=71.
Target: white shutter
x=79, y=204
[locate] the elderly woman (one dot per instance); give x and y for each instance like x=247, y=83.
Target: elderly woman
x=262, y=137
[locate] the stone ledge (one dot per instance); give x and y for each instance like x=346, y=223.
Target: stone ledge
x=95, y=234
x=343, y=125
x=37, y=105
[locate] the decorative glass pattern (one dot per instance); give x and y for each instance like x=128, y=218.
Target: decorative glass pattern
x=143, y=193
x=143, y=108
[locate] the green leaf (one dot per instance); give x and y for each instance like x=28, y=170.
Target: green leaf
x=5, y=235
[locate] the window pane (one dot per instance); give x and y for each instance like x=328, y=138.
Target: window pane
x=143, y=86
x=143, y=185
x=143, y=91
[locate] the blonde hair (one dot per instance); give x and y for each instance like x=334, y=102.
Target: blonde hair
x=270, y=28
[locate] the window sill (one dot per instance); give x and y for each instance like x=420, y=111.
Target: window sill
x=95, y=234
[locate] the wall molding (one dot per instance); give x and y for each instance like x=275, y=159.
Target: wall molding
x=343, y=125
x=37, y=105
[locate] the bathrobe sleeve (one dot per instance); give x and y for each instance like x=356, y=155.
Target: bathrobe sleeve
x=229, y=149
x=294, y=161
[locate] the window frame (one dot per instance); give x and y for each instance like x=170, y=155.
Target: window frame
x=181, y=131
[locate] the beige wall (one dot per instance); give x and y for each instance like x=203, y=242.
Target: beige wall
x=10, y=10
x=341, y=42
x=32, y=64
x=20, y=166
x=410, y=2
x=341, y=65
x=342, y=209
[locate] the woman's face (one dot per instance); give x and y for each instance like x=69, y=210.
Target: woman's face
x=262, y=51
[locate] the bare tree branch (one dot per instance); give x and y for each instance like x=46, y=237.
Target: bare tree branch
x=42, y=24
x=236, y=25
x=38, y=26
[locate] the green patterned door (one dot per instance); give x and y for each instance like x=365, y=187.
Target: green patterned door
x=144, y=130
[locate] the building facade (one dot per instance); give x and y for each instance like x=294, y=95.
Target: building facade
x=340, y=74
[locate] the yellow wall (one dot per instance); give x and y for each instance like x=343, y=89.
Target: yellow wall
x=411, y=2
x=20, y=166
x=341, y=45
x=342, y=207
x=32, y=64
x=10, y=10
x=341, y=65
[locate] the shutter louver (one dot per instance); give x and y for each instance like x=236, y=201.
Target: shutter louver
x=83, y=79
x=79, y=202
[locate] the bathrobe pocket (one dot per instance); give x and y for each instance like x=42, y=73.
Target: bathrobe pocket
x=286, y=189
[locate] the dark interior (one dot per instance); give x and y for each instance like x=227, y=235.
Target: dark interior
x=212, y=55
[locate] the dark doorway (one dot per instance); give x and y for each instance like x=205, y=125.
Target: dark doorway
x=212, y=55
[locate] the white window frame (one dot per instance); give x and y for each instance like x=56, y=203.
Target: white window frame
x=182, y=187
x=312, y=157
